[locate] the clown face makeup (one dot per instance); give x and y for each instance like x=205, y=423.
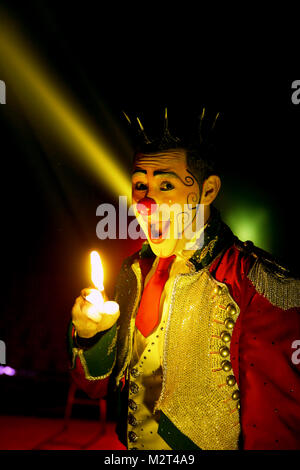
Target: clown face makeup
x=166, y=199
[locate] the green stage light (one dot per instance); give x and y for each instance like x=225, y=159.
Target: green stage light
x=250, y=222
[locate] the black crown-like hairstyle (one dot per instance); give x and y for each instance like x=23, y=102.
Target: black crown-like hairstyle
x=199, y=142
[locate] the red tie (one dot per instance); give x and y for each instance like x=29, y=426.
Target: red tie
x=147, y=317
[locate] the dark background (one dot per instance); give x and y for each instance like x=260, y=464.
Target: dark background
x=110, y=61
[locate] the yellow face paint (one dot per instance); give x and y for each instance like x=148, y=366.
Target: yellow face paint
x=165, y=178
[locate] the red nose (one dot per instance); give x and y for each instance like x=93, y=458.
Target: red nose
x=146, y=206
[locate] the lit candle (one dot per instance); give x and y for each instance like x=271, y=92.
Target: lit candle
x=98, y=306
x=97, y=271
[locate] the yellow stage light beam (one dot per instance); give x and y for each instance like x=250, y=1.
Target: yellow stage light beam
x=54, y=113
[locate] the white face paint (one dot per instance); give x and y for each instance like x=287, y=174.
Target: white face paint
x=165, y=178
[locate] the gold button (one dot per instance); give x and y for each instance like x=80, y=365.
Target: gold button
x=226, y=366
x=132, y=405
x=229, y=323
x=134, y=388
x=132, y=436
x=238, y=406
x=131, y=420
x=224, y=351
x=217, y=290
x=135, y=373
x=231, y=310
x=231, y=380
x=226, y=337
x=236, y=395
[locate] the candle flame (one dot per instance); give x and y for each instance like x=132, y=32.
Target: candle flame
x=97, y=271
x=98, y=306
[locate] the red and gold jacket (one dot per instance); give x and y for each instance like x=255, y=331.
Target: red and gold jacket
x=235, y=383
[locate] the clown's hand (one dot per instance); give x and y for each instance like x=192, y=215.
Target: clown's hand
x=92, y=313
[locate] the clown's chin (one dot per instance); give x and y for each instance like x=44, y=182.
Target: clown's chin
x=164, y=249
x=161, y=243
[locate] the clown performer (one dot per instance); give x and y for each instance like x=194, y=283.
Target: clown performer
x=200, y=352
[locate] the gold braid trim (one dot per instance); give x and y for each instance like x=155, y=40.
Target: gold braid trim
x=79, y=352
x=280, y=290
x=209, y=248
x=112, y=345
x=129, y=289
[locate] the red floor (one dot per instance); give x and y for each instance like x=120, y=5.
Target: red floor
x=27, y=433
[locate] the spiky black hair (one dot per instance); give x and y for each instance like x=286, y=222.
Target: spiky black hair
x=198, y=140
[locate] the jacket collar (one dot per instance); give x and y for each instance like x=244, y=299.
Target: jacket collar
x=217, y=236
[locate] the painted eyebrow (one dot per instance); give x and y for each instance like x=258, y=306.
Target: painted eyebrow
x=165, y=172
x=156, y=172
x=139, y=170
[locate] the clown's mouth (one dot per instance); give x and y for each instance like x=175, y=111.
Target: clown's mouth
x=158, y=231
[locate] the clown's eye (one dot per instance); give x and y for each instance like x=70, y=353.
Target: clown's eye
x=141, y=187
x=166, y=186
